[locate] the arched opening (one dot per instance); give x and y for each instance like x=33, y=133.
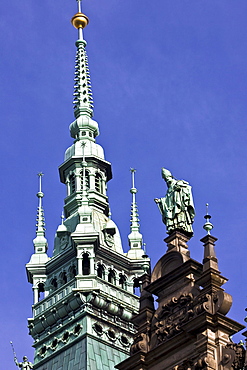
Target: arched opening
x=63, y=278
x=72, y=272
x=98, y=183
x=82, y=179
x=122, y=281
x=137, y=287
x=101, y=271
x=54, y=283
x=72, y=183
x=41, y=291
x=85, y=264
x=112, y=277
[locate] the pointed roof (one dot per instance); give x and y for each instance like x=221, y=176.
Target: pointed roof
x=83, y=97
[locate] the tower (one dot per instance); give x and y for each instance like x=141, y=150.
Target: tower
x=84, y=297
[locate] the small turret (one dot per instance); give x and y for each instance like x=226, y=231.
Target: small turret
x=40, y=242
x=36, y=268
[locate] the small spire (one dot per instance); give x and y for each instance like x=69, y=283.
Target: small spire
x=40, y=242
x=134, y=212
x=207, y=226
x=135, y=237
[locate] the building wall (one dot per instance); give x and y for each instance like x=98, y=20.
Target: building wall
x=88, y=354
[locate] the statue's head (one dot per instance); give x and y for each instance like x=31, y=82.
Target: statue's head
x=166, y=174
x=25, y=358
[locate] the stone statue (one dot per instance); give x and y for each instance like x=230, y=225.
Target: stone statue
x=26, y=365
x=177, y=208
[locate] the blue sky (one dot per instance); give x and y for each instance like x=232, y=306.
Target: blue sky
x=169, y=80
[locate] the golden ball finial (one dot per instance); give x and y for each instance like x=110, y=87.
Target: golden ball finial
x=80, y=20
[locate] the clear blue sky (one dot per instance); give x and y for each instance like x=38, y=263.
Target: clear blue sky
x=169, y=80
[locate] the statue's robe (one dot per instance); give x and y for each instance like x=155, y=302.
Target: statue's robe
x=25, y=365
x=177, y=207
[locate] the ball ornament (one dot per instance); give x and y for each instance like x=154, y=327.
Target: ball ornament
x=80, y=20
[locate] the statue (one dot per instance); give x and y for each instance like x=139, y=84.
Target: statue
x=177, y=208
x=26, y=365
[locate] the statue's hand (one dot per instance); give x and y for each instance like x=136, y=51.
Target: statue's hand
x=157, y=200
x=177, y=188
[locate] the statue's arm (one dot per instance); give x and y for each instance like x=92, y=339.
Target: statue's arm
x=16, y=361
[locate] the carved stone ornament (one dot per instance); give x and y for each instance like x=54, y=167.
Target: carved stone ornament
x=199, y=364
x=233, y=357
x=178, y=311
x=64, y=241
x=109, y=239
x=140, y=344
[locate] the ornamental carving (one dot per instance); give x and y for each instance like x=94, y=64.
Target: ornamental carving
x=173, y=315
x=169, y=319
x=140, y=344
x=199, y=364
x=233, y=357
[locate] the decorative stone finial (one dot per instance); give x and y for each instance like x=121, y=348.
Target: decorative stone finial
x=207, y=226
x=62, y=227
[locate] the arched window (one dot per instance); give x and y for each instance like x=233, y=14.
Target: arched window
x=137, y=287
x=87, y=179
x=72, y=272
x=112, y=277
x=98, y=183
x=101, y=271
x=85, y=264
x=122, y=281
x=41, y=291
x=62, y=279
x=54, y=283
x=72, y=183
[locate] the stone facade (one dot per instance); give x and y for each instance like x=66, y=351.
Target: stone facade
x=189, y=328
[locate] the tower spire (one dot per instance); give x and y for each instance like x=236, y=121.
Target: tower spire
x=135, y=237
x=83, y=100
x=40, y=242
